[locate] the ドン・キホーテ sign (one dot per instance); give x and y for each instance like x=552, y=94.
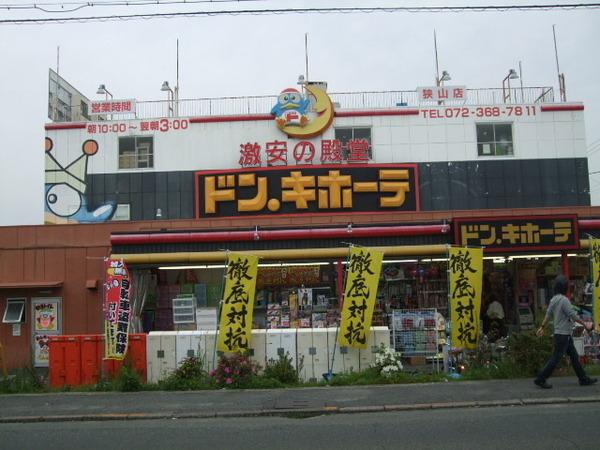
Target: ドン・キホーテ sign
x=307, y=189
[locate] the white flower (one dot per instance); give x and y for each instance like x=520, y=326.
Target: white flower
x=388, y=361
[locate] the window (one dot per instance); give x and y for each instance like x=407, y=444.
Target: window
x=15, y=310
x=136, y=152
x=84, y=110
x=494, y=139
x=122, y=212
x=356, y=143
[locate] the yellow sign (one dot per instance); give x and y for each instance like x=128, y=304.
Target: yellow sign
x=595, y=256
x=466, y=269
x=238, y=303
x=362, y=279
x=319, y=189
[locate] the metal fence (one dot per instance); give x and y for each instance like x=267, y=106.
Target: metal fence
x=222, y=106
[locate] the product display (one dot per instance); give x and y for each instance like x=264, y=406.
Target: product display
x=415, y=334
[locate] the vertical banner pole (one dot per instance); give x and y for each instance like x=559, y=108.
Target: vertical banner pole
x=465, y=273
x=220, y=308
x=449, y=344
x=329, y=374
x=104, y=323
x=594, y=248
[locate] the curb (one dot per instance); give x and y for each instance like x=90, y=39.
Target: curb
x=299, y=413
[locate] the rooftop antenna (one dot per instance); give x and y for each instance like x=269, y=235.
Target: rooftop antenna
x=306, y=56
x=561, y=76
x=521, y=81
x=437, y=67
x=55, y=112
x=177, y=84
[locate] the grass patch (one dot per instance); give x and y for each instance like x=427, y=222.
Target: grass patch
x=24, y=381
x=372, y=376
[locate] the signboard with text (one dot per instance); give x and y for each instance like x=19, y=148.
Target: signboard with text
x=112, y=107
x=497, y=234
x=117, y=309
x=465, y=272
x=307, y=189
x=441, y=93
x=235, y=330
x=360, y=293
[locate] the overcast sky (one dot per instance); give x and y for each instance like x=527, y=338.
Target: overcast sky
x=238, y=55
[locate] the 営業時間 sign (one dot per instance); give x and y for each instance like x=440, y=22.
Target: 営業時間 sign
x=518, y=233
x=307, y=189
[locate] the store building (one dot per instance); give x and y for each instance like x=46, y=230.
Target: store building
x=295, y=179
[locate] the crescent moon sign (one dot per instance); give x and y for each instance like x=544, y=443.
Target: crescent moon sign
x=324, y=110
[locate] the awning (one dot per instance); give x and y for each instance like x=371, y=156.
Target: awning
x=30, y=284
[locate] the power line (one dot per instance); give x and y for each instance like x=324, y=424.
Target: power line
x=334, y=10
x=68, y=7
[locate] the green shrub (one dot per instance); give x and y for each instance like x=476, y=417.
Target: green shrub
x=190, y=375
x=128, y=380
x=283, y=370
x=528, y=353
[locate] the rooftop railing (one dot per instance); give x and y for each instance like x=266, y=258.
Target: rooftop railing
x=222, y=106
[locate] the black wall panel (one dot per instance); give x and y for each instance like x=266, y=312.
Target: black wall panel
x=481, y=184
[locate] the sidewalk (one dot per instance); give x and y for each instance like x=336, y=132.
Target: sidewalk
x=288, y=402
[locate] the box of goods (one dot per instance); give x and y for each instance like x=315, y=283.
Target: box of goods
x=319, y=320
x=416, y=360
x=273, y=308
x=273, y=322
x=332, y=317
x=429, y=322
x=285, y=321
x=305, y=322
x=408, y=323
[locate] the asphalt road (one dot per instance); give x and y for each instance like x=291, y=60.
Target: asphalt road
x=557, y=426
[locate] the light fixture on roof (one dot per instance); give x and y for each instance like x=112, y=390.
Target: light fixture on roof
x=102, y=90
x=512, y=75
x=445, y=77
x=165, y=87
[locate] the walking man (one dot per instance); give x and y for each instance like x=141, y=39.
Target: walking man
x=564, y=316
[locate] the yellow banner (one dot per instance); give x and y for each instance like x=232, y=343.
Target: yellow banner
x=466, y=269
x=238, y=303
x=360, y=292
x=595, y=257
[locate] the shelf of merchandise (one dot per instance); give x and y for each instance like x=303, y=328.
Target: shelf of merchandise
x=415, y=335
x=591, y=346
x=418, y=294
x=277, y=311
